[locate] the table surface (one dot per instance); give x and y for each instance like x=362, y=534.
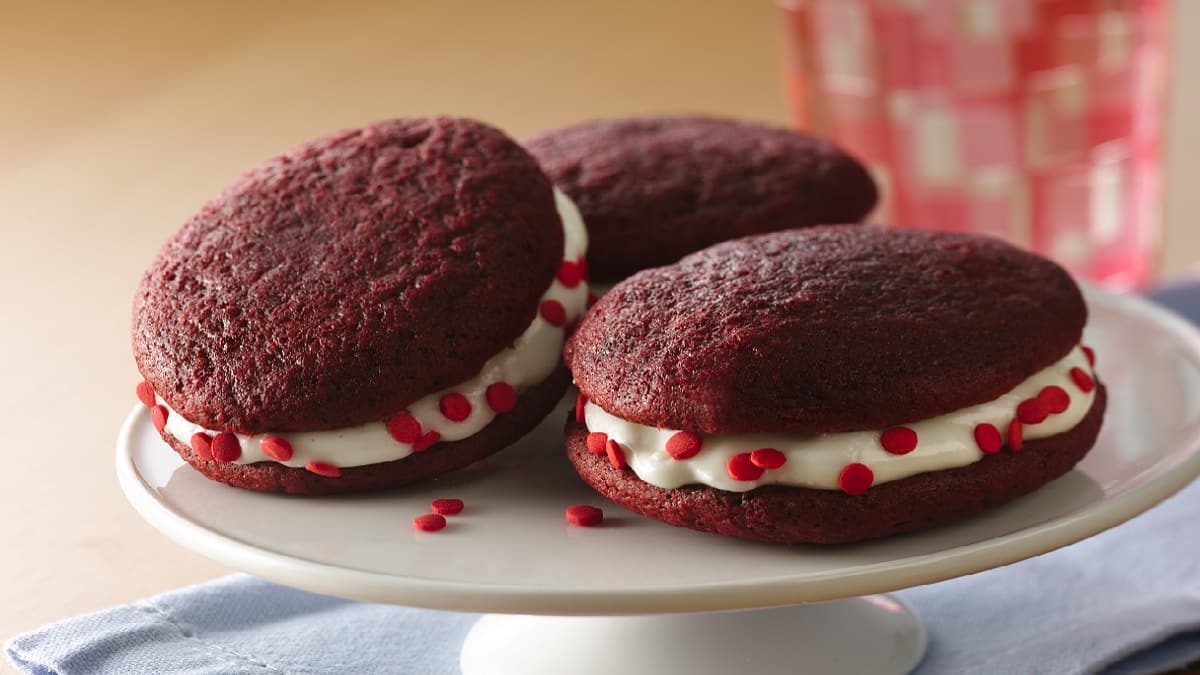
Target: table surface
x=118, y=119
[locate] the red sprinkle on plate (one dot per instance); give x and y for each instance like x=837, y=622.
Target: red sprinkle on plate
x=446, y=507
x=430, y=522
x=584, y=515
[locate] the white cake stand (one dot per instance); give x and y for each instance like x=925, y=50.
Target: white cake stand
x=637, y=596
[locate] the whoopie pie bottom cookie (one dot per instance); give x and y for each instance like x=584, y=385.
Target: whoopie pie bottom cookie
x=792, y=515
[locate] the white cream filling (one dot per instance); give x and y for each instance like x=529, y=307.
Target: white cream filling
x=816, y=460
x=530, y=360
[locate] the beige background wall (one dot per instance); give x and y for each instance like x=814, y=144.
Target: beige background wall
x=1182, y=234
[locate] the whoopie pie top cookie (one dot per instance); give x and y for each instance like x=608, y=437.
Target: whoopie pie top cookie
x=361, y=297
x=653, y=189
x=847, y=356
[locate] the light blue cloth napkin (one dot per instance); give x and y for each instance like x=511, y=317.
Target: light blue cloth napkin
x=1126, y=601
x=1076, y=610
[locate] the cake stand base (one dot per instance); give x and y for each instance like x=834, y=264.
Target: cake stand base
x=871, y=634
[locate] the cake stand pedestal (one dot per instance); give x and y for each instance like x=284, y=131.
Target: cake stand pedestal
x=872, y=634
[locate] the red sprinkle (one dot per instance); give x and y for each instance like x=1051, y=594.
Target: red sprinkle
x=741, y=467
x=455, y=407
x=580, y=401
x=1091, y=355
x=552, y=311
x=1032, y=411
x=1055, y=398
x=988, y=438
x=898, y=440
x=597, y=443
x=446, y=507
x=501, y=397
x=404, y=428
x=158, y=416
x=684, y=444
x=145, y=394
x=225, y=447
x=278, y=449
x=584, y=515
x=591, y=299
x=1014, y=435
x=768, y=458
x=616, y=454
x=1082, y=380
x=324, y=469
x=430, y=522
x=581, y=263
x=855, y=478
x=422, y=444
x=202, y=445
x=569, y=274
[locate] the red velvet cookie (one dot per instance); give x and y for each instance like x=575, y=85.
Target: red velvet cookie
x=833, y=384
x=396, y=286
x=653, y=189
x=825, y=329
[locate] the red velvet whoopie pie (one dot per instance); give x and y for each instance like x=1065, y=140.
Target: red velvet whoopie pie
x=653, y=189
x=368, y=309
x=833, y=384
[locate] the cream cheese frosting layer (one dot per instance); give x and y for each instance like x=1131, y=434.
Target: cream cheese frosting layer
x=530, y=360
x=820, y=460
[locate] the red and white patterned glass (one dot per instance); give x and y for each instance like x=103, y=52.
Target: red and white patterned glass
x=1039, y=121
